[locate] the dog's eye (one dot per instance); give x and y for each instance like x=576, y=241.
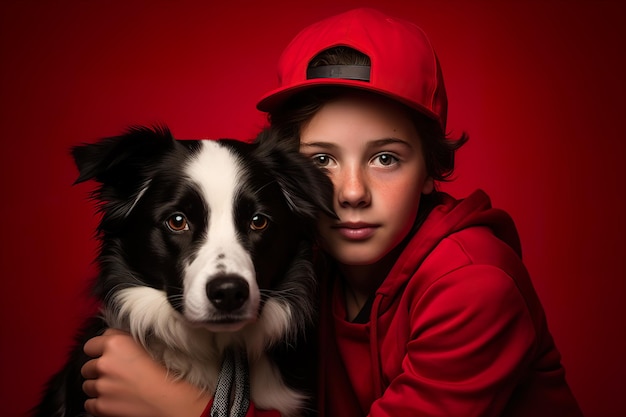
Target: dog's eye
x=177, y=223
x=259, y=222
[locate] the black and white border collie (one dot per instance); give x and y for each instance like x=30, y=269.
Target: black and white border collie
x=204, y=245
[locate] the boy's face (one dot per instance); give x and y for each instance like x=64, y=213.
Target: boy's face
x=374, y=157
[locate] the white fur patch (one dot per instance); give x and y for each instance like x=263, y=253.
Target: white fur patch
x=217, y=172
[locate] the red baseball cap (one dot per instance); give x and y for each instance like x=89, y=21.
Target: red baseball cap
x=404, y=65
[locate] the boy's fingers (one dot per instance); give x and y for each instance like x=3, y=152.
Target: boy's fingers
x=89, y=388
x=95, y=346
x=90, y=369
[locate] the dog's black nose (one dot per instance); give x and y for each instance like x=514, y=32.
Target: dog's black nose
x=228, y=292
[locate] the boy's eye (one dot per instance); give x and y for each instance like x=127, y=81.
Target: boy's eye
x=385, y=159
x=177, y=222
x=321, y=160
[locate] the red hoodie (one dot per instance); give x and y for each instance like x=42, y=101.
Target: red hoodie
x=456, y=329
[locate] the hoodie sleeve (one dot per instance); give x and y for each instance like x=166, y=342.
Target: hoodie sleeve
x=471, y=337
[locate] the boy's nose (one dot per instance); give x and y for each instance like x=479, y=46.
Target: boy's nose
x=353, y=190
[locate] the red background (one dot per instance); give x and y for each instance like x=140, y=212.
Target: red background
x=538, y=85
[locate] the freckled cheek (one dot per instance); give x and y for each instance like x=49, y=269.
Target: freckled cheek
x=405, y=208
x=402, y=199
x=387, y=188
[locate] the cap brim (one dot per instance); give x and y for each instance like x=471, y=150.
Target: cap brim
x=274, y=99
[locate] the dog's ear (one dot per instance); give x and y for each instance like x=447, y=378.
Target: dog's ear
x=116, y=160
x=307, y=189
x=122, y=166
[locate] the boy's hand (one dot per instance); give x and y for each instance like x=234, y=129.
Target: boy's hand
x=124, y=381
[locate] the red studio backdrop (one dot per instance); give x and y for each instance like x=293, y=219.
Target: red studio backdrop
x=538, y=85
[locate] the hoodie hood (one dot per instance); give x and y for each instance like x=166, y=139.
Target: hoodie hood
x=449, y=217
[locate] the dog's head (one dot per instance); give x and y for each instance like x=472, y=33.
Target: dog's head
x=215, y=229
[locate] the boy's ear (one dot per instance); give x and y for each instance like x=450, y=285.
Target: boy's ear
x=429, y=185
x=119, y=159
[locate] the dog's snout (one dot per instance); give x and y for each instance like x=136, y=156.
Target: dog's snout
x=228, y=292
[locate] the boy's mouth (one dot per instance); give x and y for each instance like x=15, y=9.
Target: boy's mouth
x=356, y=230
